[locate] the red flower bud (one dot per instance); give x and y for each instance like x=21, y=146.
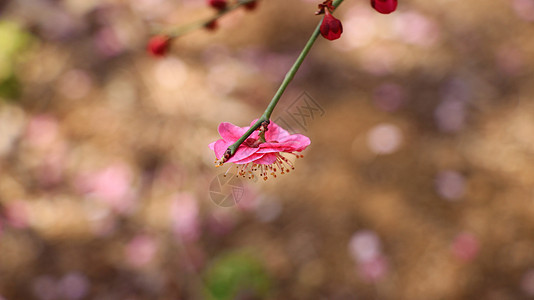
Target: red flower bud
x=384, y=6
x=331, y=27
x=251, y=5
x=217, y=4
x=212, y=25
x=159, y=45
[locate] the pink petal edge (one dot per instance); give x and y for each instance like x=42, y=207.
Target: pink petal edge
x=267, y=159
x=230, y=132
x=275, y=132
x=242, y=153
x=249, y=159
x=220, y=147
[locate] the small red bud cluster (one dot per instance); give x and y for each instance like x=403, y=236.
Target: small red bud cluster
x=159, y=45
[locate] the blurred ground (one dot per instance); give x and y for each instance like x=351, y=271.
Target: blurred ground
x=419, y=183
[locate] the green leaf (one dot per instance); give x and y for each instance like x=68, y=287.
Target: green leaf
x=235, y=275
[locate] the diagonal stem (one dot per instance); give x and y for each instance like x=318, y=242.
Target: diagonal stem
x=288, y=78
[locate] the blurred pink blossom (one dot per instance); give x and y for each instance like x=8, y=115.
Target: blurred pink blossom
x=111, y=186
x=154, y=9
x=43, y=136
x=510, y=60
x=527, y=282
x=50, y=170
x=450, y=184
x=268, y=209
x=450, y=115
x=366, y=250
x=171, y=175
x=16, y=214
x=103, y=223
x=108, y=43
x=249, y=201
x=42, y=131
x=389, y=97
x=374, y=269
x=221, y=222
x=141, y=250
x=44, y=288
x=524, y=9
x=415, y=28
x=73, y=286
x=465, y=246
x=384, y=138
x=75, y=84
x=360, y=27
x=379, y=60
x=457, y=88
x=185, y=217
x=364, y=246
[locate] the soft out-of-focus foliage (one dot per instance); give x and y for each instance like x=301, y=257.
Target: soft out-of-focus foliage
x=418, y=184
x=13, y=44
x=236, y=276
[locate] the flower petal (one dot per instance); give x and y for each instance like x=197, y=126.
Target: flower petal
x=230, y=132
x=219, y=147
x=273, y=147
x=275, y=132
x=292, y=143
x=251, y=158
x=211, y=145
x=242, y=153
x=297, y=142
x=267, y=159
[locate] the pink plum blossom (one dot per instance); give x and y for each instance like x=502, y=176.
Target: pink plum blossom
x=254, y=154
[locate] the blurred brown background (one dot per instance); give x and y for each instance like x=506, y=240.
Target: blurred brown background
x=418, y=184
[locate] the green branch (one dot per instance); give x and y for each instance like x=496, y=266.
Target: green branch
x=288, y=78
x=201, y=24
